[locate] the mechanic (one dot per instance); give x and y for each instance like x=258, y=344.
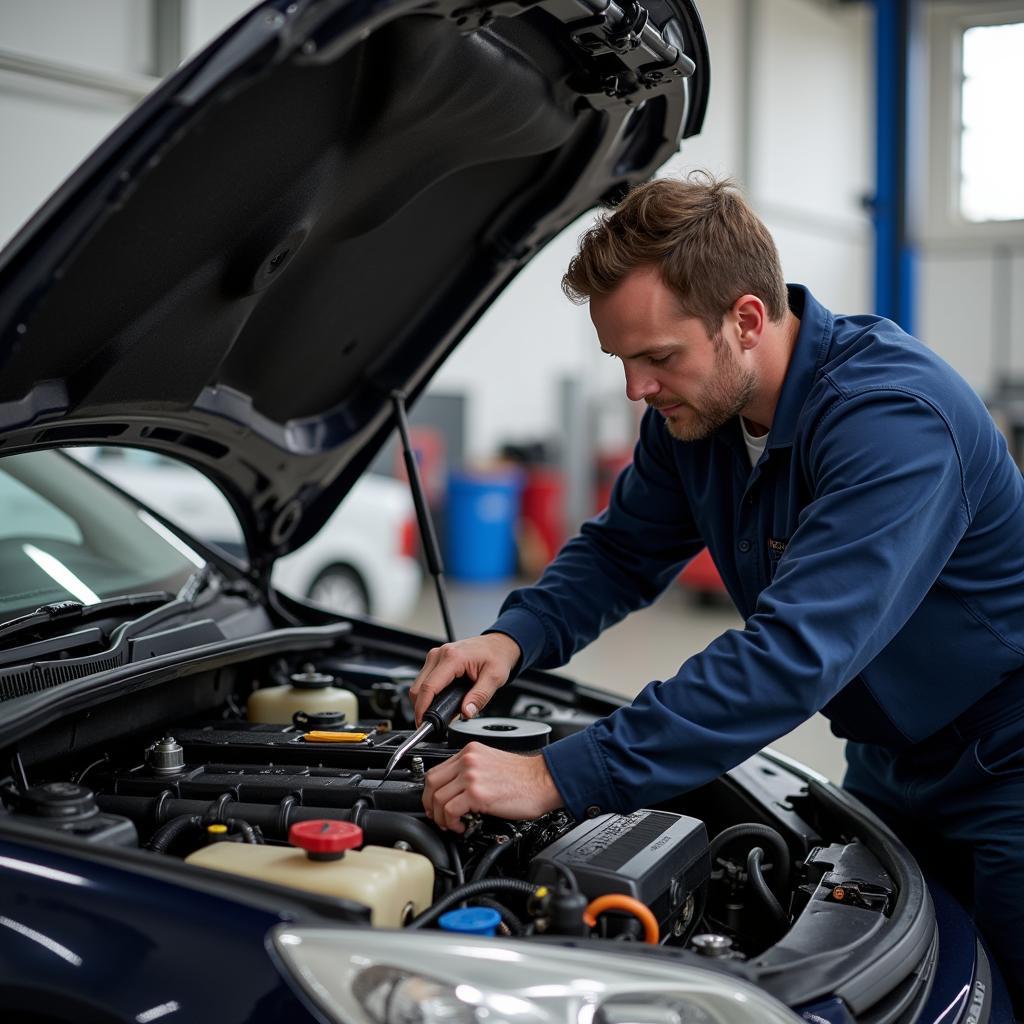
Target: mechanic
x=864, y=514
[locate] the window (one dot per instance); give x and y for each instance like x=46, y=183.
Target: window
x=991, y=144
x=67, y=535
x=26, y=513
x=975, y=149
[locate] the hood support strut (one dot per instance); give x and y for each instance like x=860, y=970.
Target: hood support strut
x=430, y=546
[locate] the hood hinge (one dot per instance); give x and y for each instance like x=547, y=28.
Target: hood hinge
x=630, y=52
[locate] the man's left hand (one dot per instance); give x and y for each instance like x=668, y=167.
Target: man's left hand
x=491, y=781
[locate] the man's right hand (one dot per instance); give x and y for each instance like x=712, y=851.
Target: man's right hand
x=487, y=660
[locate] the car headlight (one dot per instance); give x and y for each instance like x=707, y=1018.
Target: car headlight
x=399, y=978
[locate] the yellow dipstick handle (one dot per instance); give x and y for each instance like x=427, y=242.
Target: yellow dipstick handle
x=336, y=737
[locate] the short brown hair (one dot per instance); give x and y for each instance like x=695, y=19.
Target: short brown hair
x=703, y=236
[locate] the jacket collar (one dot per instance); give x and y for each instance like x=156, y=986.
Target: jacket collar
x=812, y=344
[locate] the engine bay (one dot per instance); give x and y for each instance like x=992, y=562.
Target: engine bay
x=298, y=797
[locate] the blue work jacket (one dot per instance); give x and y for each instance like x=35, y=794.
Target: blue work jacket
x=875, y=552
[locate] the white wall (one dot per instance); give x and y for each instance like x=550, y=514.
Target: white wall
x=970, y=310
x=806, y=164
x=812, y=145
x=203, y=20
x=107, y=35
x=48, y=127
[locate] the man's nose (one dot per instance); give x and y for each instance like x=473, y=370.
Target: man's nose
x=639, y=385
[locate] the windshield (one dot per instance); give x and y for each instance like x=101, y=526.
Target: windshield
x=65, y=535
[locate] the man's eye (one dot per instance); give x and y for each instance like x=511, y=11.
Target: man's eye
x=657, y=360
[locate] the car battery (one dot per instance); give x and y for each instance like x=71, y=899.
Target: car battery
x=658, y=858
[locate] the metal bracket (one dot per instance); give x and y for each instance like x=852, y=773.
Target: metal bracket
x=631, y=54
x=598, y=36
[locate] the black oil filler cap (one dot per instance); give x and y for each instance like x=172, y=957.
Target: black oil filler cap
x=72, y=809
x=63, y=800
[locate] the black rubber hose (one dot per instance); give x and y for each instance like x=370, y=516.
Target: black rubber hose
x=514, y=925
x=381, y=828
x=385, y=828
x=357, y=810
x=760, y=886
x=248, y=832
x=466, y=892
x=565, y=875
x=456, y=861
x=488, y=859
x=160, y=841
x=780, y=871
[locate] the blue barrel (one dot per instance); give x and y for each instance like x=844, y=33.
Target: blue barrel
x=480, y=522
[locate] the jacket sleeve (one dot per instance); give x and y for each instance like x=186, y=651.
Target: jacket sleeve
x=888, y=508
x=620, y=561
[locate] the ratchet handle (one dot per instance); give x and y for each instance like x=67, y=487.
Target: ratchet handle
x=446, y=705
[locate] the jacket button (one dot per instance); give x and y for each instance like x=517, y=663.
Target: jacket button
x=744, y=546
x=592, y=811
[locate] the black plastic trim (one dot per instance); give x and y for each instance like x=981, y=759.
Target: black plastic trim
x=25, y=713
x=866, y=972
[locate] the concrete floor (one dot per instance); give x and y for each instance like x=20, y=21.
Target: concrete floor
x=650, y=644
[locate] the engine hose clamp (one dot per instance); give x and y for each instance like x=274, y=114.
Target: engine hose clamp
x=359, y=808
x=284, y=813
x=217, y=811
x=160, y=807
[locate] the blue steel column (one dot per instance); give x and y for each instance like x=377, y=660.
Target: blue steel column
x=895, y=256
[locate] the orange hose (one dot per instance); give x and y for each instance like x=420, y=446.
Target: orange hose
x=618, y=901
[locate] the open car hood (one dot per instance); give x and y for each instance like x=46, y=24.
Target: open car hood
x=309, y=216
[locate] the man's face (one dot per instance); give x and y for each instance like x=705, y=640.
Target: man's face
x=697, y=382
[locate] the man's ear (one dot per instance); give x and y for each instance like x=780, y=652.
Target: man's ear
x=751, y=319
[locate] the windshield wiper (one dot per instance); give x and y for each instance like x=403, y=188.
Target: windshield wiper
x=74, y=611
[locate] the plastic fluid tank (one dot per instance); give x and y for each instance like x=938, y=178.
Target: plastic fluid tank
x=395, y=884
x=481, y=524
x=308, y=691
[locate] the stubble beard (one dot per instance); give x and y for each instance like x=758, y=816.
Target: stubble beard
x=725, y=395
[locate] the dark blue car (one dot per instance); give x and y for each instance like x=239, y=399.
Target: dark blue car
x=254, y=274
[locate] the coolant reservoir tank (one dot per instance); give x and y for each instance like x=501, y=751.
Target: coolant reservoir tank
x=308, y=691
x=395, y=884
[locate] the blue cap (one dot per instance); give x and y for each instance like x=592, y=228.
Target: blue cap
x=471, y=921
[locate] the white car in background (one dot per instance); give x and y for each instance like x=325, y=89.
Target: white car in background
x=362, y=562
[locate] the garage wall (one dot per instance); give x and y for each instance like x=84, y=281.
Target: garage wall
x=969, y=309
x=202, y=20
x=790, y=115
x=47, y=125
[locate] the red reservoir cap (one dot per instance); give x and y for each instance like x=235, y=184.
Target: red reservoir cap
x=325, y=836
